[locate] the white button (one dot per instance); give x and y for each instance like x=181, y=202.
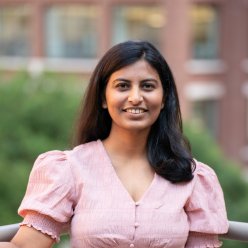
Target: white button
x=132, y=245
x=137, y=203
x=136, y=224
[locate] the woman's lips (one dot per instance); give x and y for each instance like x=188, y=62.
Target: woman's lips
x=135, y=112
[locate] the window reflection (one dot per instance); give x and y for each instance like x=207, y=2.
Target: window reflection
x=137, y=22
x=15, y=31
x=71, y=31
x=204, y=31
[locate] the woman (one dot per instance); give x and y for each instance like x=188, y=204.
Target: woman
x=131, y=180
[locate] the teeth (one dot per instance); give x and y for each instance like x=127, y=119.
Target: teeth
x=135, y=111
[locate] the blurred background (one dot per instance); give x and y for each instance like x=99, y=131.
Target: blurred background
x=48, y=49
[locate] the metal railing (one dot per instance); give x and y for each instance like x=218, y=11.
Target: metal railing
x=237, y=231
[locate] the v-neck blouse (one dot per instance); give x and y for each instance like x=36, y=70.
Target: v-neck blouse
x=80, y=188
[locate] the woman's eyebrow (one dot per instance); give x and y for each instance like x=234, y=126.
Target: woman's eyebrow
x=149, y=79
x=129, y=81
x=123, y=80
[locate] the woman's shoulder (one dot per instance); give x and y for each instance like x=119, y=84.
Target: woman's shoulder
x=87, y=153
x=204, y=178
x=82, y=154
x=202, y=169
x=86, y=147
x=205, y=181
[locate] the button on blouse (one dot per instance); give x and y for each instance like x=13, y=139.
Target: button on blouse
x=80, y=188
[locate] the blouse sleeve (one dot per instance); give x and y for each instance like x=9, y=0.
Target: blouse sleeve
x=206, y=210
x=50, y=196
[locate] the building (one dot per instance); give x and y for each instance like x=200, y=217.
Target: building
x=204, y=41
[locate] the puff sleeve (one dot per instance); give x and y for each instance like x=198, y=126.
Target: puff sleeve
x=50, y=197
x=206, y=210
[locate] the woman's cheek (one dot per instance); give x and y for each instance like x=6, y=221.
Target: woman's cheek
x=155, y=103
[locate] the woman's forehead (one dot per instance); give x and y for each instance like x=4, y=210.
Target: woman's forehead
x=139, y=69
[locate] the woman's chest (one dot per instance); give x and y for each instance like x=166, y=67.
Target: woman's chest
x=107, y=216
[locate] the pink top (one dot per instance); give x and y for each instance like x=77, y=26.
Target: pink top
x=81, y=187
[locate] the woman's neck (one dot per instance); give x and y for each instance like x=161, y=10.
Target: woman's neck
x=127, y=143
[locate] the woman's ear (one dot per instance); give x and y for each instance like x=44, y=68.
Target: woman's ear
x=104, y=102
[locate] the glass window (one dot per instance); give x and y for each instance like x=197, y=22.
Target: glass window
x=71, y=31
x=137, y=22
x=204, y=31
x=15, y=31
x=205, y=116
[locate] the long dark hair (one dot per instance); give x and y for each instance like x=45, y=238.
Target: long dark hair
x=168, y=150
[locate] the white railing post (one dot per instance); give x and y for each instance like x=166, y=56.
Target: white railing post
x=8, y=232
x=237, y=231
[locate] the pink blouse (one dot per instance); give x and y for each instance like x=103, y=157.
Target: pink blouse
x=80, y=188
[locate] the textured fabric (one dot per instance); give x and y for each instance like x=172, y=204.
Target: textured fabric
x=81, y=187
x=43, y=223
x=202, y=240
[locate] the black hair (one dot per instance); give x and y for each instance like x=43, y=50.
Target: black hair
x=168, y=150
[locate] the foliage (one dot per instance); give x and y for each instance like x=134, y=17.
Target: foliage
x=37, y=115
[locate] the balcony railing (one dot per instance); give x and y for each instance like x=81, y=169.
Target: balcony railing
x=237, y=231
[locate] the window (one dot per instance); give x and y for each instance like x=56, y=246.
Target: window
x=204, y=31
x=137, y=22
x=71, y=31
x=205, y=116
x=15, y=31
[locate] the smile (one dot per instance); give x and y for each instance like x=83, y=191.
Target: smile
x=135, y=111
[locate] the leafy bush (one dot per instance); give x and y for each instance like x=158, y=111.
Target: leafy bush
x=36, y=116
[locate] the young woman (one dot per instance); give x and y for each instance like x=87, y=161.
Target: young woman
x=130, y=180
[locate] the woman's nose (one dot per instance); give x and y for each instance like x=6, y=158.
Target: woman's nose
x=135, y=96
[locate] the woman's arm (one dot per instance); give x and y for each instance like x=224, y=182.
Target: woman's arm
x=28, y=237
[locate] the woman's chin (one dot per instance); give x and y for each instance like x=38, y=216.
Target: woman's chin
x=133, y=127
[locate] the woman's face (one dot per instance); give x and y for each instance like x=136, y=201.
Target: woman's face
x=134, y=96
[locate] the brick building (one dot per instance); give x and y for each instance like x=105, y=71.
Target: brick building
x=204, y=41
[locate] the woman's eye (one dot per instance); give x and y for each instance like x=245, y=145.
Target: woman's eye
x=122, y=86
x=148, y=86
